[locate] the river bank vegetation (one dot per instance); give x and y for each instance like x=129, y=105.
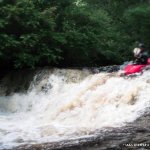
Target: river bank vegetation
x=69, y=33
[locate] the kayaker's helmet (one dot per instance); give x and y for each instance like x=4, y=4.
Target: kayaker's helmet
x=141, y=45
x=136, y=51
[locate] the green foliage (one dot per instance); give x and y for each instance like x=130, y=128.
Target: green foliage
x=88, y=32
x=71, y=32
x=138, y=23
x=90, y=37
x=26, y=35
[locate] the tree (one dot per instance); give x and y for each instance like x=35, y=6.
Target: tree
x=71, y=32
x=26, y=35
x=138, y=23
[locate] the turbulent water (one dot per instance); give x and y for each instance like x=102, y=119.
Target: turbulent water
x=59, y=107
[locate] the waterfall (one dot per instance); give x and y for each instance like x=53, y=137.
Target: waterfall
x=71, y=104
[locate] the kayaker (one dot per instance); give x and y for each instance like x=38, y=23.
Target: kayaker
x=140, y=54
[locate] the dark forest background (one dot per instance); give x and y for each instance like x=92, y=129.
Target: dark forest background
x=71, y=33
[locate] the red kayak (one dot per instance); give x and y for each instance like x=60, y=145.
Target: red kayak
x=134, y=68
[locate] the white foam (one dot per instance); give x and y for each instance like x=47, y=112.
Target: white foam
x=70, y=110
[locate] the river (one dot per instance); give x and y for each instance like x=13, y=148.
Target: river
x=68, y=104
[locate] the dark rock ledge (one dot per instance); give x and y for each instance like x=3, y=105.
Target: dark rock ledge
x=125, y=138
x=18, y=81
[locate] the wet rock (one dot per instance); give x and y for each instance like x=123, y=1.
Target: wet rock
x=16, y=81
x=108, y=69
x=19, y=81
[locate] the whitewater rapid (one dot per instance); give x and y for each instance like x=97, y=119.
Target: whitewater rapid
x=64, y=109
